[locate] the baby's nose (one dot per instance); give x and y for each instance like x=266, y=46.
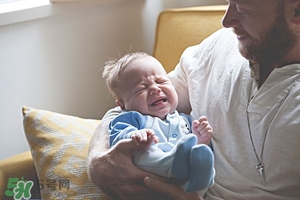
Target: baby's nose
x=155, y=89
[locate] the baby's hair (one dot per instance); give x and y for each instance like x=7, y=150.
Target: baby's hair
x=113, y=68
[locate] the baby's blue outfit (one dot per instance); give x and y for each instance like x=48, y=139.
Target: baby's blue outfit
x=177, y=153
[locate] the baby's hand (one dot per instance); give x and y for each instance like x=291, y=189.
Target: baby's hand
x=202, y=129
x=144, y=136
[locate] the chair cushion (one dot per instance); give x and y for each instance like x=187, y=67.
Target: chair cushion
x=59, y=147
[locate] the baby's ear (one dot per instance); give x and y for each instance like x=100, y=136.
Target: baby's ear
x=120, y=103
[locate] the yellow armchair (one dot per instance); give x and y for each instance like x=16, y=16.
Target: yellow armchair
x=17, y=166
x=179, y=28
x=176, y=29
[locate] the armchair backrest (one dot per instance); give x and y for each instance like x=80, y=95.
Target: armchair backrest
x=179, y=28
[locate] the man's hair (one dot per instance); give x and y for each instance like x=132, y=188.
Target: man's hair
x=114, y=67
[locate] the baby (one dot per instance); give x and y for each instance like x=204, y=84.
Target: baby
x=148, y=101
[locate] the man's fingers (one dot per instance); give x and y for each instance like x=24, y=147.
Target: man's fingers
x=160, y=186
x=143, y=193
x=133, y=192
x=173, y=192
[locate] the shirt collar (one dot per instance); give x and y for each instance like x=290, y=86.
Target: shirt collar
x=255, y=73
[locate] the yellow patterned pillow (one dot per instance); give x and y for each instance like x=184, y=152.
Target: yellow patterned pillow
x=59, y=147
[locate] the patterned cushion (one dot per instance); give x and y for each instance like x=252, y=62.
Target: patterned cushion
x=59, y=146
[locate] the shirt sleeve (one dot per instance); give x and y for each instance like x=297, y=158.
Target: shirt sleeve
x=183, y=76
x=122, y=126
x=179, y=79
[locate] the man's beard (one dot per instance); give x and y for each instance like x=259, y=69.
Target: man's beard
x=273, y=46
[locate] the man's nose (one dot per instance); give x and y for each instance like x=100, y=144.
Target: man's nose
x=231, y=19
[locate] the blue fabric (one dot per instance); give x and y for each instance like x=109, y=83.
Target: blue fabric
x=172, y=155
x=122, y=126
x=169, y=130
x=181, y=163
x=202, y=168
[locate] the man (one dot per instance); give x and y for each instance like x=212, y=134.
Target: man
x=250, y=81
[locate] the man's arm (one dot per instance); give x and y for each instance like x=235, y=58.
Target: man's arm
x=113, y=171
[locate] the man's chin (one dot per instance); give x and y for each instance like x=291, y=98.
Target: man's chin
x=244, y=51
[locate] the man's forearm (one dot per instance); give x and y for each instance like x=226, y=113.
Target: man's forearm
x=98, y=146
x=99, y=141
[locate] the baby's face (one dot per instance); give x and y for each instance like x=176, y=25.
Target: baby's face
x=147, y=88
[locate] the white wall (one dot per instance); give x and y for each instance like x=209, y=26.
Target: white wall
x=53, y=63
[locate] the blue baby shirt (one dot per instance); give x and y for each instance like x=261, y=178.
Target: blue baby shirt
x=169, y=130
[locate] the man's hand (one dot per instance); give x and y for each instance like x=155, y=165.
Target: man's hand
x=113, y=170
x=116, y=175
x=174, y=192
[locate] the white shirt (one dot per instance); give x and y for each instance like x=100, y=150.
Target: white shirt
x=214, y=80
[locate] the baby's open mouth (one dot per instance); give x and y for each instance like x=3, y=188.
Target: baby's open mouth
x=159, y=101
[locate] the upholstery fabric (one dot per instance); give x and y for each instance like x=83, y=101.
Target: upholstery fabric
x=178, y=28
x=59, y=147
x=14, y=168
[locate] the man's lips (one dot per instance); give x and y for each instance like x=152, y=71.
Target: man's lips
x=240, y=35
x=158, y=101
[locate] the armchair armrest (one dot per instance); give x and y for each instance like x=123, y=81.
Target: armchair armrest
x=18, y=166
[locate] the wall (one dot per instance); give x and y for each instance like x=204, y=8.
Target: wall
x=53, y=62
